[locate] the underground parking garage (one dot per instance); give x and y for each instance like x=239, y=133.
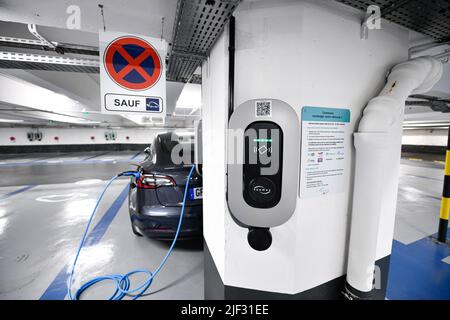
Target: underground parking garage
x=224, y=150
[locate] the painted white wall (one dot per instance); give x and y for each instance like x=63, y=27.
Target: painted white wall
x=190, y=97
x=425, y=137
x=214, y=112
x=76, y=136
x=306, y=53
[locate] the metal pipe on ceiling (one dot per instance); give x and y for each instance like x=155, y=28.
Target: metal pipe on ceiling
x=426, y=46
x=17, y=60
x=444, y=54
x=33, y=29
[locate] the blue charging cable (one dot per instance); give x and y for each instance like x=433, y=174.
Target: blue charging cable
x=123, y=280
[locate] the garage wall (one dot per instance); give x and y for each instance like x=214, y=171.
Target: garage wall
x=76, y=136
x=425, y=137
x=215, y=121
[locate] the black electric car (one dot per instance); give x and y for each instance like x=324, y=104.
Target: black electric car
x=156, y=198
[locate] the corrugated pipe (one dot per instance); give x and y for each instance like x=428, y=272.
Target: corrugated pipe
x=377, y=139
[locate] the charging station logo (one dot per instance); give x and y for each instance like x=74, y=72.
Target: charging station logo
x=152, y=104
x=262, y=190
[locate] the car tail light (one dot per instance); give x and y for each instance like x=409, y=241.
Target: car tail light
x=155, y=181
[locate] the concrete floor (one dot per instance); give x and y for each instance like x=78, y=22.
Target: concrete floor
x=59, y=195
x=64, y=167
x=420, y=267
x=45, y=201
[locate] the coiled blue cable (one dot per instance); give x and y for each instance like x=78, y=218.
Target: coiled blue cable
x=123, y=281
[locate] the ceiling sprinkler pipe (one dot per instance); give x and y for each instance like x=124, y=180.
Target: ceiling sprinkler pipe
x=442, y=55
x=378, y=134
x=423, y=47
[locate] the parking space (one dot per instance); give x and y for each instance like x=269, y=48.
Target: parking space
x=418, y=267
x=36, y=256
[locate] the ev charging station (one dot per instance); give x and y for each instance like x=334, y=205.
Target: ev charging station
x=264, y=238
x=262, y=169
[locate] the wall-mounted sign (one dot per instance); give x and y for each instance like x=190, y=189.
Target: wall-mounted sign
x=132, y=74
x=325, y=144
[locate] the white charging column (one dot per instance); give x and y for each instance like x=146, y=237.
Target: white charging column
x=307, y=54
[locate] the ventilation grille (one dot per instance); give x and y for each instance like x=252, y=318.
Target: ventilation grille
x=198, y=23
x=430, y=17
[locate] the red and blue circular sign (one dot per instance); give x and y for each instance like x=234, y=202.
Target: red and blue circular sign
x=132, y=63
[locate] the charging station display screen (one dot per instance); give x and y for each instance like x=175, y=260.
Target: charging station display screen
x=262, y=168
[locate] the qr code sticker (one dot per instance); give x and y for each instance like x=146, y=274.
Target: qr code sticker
x=263, y=108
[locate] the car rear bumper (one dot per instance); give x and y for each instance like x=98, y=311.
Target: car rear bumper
x=162, y=222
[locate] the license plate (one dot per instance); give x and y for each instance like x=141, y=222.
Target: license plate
x=196, y=193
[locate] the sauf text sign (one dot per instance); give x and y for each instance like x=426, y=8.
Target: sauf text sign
x=132, y=74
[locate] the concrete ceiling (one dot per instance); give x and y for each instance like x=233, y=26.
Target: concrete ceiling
x=143, y=17
x=84, y=89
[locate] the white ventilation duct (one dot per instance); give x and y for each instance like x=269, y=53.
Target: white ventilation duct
x=377, y=140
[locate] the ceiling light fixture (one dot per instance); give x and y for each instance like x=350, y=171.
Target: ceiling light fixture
x=11, y=120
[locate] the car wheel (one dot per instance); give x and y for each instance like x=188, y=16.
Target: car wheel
x=135, y=230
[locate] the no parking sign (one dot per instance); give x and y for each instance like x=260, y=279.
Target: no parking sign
x=132, y=74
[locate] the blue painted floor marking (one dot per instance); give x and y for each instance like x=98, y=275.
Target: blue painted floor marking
x=12, y=193
x=134, y=156
x=57, y=290
x=95, y=156
x=418, y=272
